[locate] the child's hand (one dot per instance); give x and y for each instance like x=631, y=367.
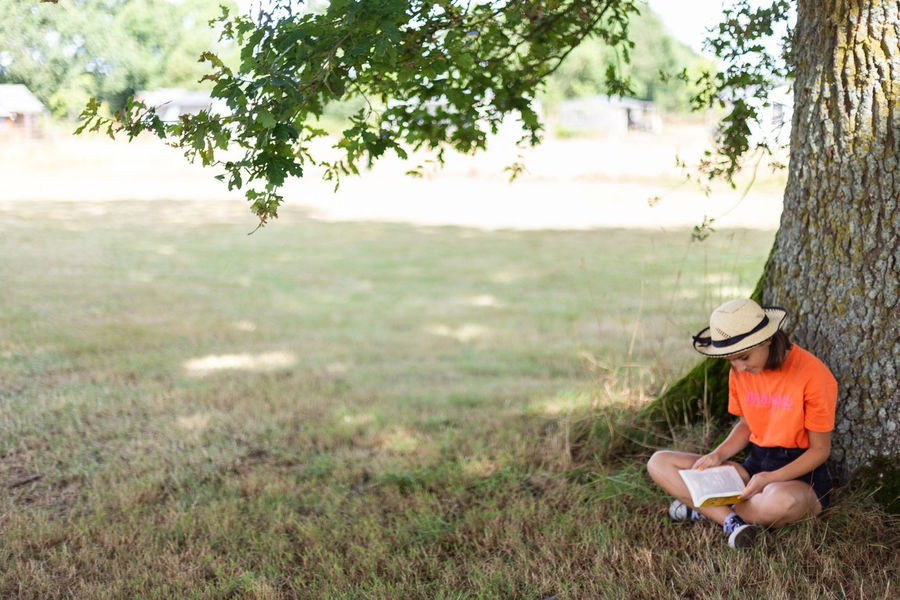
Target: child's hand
x=756, y=484
x=706, y=461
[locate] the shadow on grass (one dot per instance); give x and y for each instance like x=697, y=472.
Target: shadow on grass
x=404, y=453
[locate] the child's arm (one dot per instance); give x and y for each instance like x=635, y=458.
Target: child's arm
x=736, y=441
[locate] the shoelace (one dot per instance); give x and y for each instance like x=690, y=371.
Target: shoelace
x=732, y=522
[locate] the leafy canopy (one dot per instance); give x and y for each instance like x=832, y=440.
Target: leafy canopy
x=745, y=42
x=431, y=74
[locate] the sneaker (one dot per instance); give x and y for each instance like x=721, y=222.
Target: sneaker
x=740, y=533
x=744, y=536
x=681, y=512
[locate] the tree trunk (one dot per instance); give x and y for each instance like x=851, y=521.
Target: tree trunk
x=836, y=257
x=835, y=265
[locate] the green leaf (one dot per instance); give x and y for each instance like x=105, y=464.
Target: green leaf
x=265, y=118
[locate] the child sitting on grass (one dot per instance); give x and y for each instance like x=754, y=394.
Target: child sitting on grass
x=784, y=398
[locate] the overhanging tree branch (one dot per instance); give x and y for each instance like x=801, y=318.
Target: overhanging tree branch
x=447, y=75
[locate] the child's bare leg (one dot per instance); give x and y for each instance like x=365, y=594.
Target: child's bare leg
x=780, y=503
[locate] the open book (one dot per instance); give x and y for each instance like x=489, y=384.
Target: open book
x=713, y=486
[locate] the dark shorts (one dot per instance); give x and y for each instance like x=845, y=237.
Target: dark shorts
x=762, y=458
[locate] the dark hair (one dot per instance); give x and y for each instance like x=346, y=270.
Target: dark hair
x=778, y=350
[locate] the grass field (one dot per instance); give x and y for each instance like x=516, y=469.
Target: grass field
x=358, y=410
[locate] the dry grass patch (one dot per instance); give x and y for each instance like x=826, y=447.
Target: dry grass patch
x=369, y=458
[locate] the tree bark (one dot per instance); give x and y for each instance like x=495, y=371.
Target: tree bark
x=835, y=264
x=836, y=257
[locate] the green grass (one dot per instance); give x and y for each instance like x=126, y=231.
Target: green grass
x=362, y=410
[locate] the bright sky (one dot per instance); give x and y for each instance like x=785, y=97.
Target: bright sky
x=688, y=20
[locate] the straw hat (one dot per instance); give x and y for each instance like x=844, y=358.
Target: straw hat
x=738, y=326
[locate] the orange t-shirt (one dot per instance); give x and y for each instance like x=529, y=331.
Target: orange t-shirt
x=780, y=406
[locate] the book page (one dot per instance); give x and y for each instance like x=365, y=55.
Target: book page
x=712, y=482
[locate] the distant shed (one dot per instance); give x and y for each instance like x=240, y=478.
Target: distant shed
x=607, y=116
x=20, y=112
x=775, y=114
x=171, y=103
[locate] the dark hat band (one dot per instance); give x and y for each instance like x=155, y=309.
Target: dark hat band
x=707, y=341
